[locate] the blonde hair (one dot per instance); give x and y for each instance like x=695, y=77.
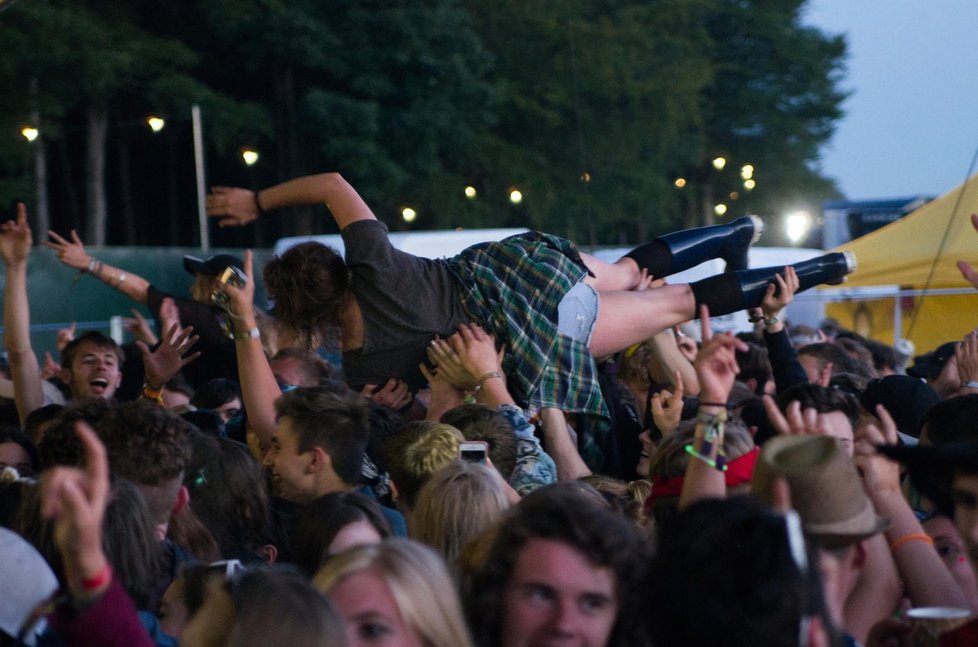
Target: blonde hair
x=418, y=581
x=416, y=451
x=456, y=505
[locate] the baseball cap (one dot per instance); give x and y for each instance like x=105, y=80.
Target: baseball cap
x=213, y=265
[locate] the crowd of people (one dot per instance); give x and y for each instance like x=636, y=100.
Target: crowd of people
x=521, y=445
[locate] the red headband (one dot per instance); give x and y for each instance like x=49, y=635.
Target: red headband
x=740, y=470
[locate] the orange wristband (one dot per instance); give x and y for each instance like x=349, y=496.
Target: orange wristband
x=916, y=536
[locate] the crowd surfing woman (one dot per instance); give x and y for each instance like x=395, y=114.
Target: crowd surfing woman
x=549, y=305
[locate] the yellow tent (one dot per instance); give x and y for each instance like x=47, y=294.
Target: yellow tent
x=908, y=267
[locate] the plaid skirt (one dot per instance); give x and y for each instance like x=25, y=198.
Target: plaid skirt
x=512, y=288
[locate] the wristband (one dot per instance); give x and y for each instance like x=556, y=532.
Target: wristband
x=916, y=536
x=251, y=333
x=969, y=385
x=97, y=581
x=258, y=207
x=91, y=265
x=153, y=392
x=484, y=377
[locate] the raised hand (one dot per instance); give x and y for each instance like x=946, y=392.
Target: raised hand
x=139, y=328
x=716, y=363
x=170, y=356
x=667, y=408
x=75, y=500
x=476, y=350
x=449, y=365
x=65, y=336
x=71, y=253
x=394, y=394
x=243, y=298
x=15, y=238
x=235, y=207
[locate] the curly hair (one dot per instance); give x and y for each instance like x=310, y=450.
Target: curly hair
x=310, y=284
x=146, y=443
x=572, y=513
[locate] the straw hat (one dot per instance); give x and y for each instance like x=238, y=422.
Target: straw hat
x=825, y=488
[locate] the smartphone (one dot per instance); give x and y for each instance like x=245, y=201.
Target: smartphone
x=473, y=451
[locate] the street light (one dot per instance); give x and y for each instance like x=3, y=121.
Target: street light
x=719, y=163
x=249, y=156
x=720, y=209
x=680, y=182
x=30, y=133
x=797, y=225
x=515, y=196
x=750, y=184
x=155, y=123
x=747, y=171
x=470, y=192
x=408, y=214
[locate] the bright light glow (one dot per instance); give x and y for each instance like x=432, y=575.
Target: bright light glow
x=680, y=182
x=749, y=184
x=747, y=171
x=720, y=209
x=249, y=156
x=797, y=225
x=408, y=214
x=515, y=196
x=585, y=177
x=719, y=163
x=470, y=192
x=155, y=123
x=29, y=132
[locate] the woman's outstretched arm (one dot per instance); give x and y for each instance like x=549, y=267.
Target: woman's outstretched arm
x=236, y=207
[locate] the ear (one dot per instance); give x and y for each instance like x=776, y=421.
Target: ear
x=183, y=498
x=268, y=553
x=65, y=375
x=751, y=384
x=320, y=460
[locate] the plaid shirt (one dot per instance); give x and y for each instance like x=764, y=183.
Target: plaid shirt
x=512, y=288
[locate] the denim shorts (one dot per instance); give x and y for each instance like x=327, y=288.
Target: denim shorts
x=577, y=312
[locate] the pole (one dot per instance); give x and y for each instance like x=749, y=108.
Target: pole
x=205, y=241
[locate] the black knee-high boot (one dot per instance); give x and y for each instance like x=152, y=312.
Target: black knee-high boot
x=730, y=292
x=682, y=250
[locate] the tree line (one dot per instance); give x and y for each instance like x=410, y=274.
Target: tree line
x=606, y=116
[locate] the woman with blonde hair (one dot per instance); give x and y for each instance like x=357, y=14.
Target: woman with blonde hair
x=455, y=505
x=398, y=593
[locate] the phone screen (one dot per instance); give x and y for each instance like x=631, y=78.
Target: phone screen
x=473, y=455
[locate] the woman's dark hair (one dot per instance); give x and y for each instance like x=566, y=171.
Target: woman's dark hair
x=228, y=495
x=10, y=434
x=215, y=392
x=130, y=542
x=320, y=521
x=309, y=284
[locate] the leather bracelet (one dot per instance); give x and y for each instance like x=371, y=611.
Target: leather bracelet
x=251, y=333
